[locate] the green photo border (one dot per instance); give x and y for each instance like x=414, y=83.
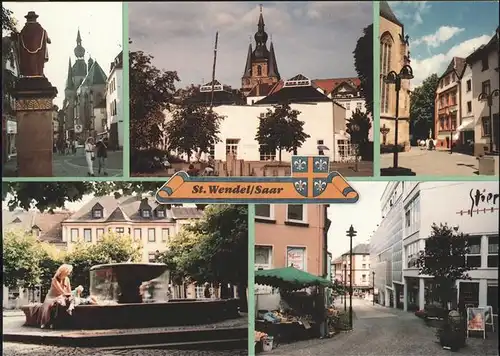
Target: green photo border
x=251, y=280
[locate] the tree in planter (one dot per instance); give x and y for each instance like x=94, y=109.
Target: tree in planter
x=213, y=249
x=444, y=259
x=358, y=127
x=280, y=129
x=363, y=62
x=151, y=92
x=422, y=105
x=193, y=129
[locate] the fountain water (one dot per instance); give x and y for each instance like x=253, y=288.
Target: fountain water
x=117, y=288
x=121, y=282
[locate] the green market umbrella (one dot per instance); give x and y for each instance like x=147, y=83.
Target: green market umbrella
x=289, y=278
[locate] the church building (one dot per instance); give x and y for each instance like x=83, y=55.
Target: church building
x=84, y=96
x=261, y=69
x=325, y=105
x=394, y=54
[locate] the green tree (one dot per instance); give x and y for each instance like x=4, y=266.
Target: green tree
x=151, y=92
x=113, y=248
x=193, y=129
x=213, y=249
x=9, y=23
x=22, y=253
x=444, y=259
x=280, y=129
x=363, y=62
x=422, y=106
x=358, y=127
x=45, y=196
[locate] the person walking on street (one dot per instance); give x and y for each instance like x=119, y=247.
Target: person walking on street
x=90, y=155
x=102, y=155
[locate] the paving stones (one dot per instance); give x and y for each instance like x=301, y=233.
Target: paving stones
x=434, y=163
x=74, y=166
x=399, y=333
x=12, y=349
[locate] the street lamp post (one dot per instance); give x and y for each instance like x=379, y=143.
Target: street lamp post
x=373, y=296
x=395, y=78
x=345, y=285
x=351, y=233
x=489, y=100
x=355, y=129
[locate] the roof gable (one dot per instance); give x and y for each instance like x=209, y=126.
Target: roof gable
x=387, y=13
x=117, y=216
x=298, y=89
x=95, y=76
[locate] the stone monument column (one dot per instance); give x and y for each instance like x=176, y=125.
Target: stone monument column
x=34, y=102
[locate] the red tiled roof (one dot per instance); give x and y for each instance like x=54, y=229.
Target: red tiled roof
x=277, y=87
x=329, y=85
x=262, y=89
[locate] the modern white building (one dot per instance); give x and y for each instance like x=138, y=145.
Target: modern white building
x=468, y=207
x=324, y=121
x=114, y=103
x=386, y=246
x=484, y=67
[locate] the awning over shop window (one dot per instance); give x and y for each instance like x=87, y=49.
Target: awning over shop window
x=289, y=278
x=466, y=126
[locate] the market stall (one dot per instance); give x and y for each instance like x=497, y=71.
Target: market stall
x=302, y=311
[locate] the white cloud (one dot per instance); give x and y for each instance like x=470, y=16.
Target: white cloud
x=100, y=26
x=422, y=68
x=411, y=11
x=443, y=34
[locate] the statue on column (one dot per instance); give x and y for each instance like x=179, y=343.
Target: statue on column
x=33, y=51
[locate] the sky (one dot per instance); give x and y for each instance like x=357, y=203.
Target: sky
x=364, y=216
x=100, y=27
x=315, y=39
x=440, y=31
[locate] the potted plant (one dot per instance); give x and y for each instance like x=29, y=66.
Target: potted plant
x=452, y=334
x=422, y=314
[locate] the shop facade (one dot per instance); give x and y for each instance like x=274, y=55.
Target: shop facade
x=468, y=207
x=408, y=211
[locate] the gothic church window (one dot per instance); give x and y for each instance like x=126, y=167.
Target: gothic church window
x=385, y=59
x=259, y=70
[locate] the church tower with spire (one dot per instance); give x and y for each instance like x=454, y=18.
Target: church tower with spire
x=261, y=66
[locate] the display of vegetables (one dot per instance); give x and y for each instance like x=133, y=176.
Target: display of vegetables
x=259, y=335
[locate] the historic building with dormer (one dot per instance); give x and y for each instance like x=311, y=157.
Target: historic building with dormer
x=84, y=96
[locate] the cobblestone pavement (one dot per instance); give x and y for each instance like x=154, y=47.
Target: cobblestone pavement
x=385, y=331
x=364, y=169
x=434, y=163
x=74, y=165
x=13, y=349
x=14, y=325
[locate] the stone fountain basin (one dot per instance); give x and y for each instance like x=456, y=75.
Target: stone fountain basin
x=175, y=312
